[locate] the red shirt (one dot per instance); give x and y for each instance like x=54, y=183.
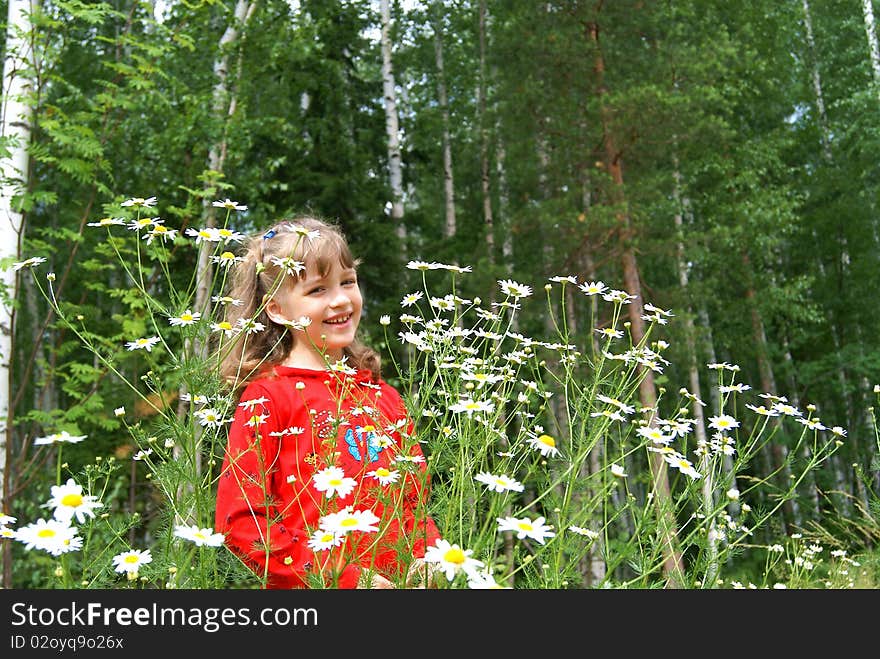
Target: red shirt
x=293, y=423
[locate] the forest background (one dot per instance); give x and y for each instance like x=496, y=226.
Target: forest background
x=718, y=159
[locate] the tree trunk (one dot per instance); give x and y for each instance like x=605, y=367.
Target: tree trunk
x=485, y=188
x=873, y=48
x=15, y=126
x=395, y=171
x=817, y=81
x=223, y=107
x=673, y=568
x=449, y=225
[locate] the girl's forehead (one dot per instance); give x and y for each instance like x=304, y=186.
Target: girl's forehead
x=320, y=268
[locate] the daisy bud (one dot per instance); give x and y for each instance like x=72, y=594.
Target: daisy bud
x=51, y=276
x=119, y=411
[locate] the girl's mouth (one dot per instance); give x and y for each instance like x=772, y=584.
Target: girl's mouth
x=339, y=320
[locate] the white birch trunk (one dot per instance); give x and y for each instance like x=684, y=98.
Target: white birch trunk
x=817, y=81
x=392, y=127
x=15, y=125
x=485, y=187
x=223, y=107
x=503, y=198
x=449, y=225
x=873, y=48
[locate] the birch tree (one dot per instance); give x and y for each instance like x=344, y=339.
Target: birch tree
x=873, y=47
x=449, y=225
x=392, y=124
x=16, y=116
x=15, y=133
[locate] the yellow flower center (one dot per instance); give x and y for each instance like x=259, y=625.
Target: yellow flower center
x=348, y=521
x=525, y=526
x=547, y=440
x=46, y=533
x=72, y=500
x=336, y=481
x=381, y=471
x=454, y=555
x=227, y=256
x=186, y=316
x=131, y=558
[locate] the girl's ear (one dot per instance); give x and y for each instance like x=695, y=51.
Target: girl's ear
x=273, y=310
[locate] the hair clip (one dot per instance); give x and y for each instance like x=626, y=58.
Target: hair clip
x=271, y=233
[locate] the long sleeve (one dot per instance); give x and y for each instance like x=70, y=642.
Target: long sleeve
x=273, y=542
x=286, y=431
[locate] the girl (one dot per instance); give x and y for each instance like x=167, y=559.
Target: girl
x=322, y=483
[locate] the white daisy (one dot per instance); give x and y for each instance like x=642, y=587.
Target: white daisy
x=230, y=205
x=469, y=406
x=143, y=343
x=348, y=520
x=140, y=201
x=28, y=263
x=131, y=561
x=188, y=317
x=484, y=580
x=52, y=536
x=68, y=501
x=501, y=483
x=411, y=298
x=543, y=443
x=723, y=422
x=587, y=533
x=203, y=537
x=452, y=559
x=593, y=288
x=226, y=259
x=526, y=528
x=322, y=540
x=514, y=289
x=62, y=437
x=384, y=476
x=333, y=481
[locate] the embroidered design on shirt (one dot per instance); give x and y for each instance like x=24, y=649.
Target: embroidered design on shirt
x=363, y=440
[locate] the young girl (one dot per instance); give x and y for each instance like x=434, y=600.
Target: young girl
x=322, y=483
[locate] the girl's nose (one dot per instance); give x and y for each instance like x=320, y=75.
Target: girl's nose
x=340, y=298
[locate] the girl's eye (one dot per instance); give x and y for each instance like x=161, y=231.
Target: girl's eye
x=349, y=282
x=317, y=289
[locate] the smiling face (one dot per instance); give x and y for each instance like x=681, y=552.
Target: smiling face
x=332, y=302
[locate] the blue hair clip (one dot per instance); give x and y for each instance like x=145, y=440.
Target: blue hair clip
x=269, y=234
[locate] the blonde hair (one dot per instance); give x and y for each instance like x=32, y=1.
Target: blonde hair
x=268, y=264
